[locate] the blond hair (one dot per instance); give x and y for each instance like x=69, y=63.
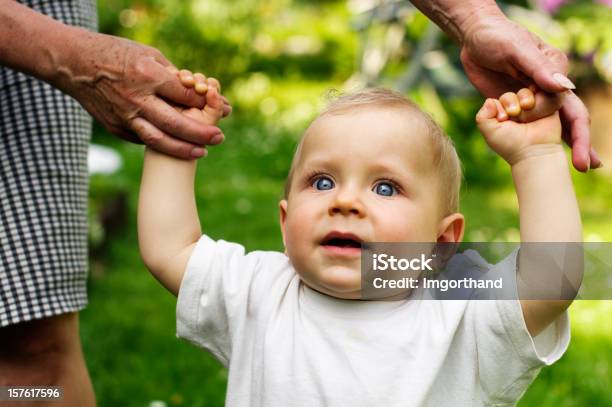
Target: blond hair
x=445, y=161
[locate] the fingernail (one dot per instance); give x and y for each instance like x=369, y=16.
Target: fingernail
x=198, y=152
x=217, y=139
x=564, y=81
x=596, y=157
x=201, y=87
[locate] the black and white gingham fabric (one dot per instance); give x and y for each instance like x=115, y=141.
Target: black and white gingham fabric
x=44, y=136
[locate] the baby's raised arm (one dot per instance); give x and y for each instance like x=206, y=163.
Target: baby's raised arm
x=168, y=222
x=548, y=208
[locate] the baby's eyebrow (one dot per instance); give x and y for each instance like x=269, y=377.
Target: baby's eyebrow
x=317, y=164
x=392, y=169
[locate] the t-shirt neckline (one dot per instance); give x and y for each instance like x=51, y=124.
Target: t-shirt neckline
x=311, y=298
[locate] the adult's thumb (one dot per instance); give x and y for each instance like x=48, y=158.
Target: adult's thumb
x=544, y=65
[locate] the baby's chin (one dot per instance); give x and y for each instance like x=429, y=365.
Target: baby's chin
x=346, y=283
x=338, y=282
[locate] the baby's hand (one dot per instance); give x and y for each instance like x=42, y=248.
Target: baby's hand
x=214, y=108
x=196, y=81
x=509, y=129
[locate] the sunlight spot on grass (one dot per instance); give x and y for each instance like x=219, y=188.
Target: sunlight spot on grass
x=243, y=206
x=268, y=106
x=593, y=237
x=591, y=318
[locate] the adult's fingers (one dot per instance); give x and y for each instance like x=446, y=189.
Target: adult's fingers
x=576, y=133
x=164, y=117
x=545, y=65
x=173, y=90
x=595, y=160
x=490, y=83
x=158, y=140
x=124, y=134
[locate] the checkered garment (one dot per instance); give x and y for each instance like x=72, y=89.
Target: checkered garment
x=44, y=136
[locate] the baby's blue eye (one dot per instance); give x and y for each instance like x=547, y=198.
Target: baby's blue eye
x=323, y=184
x=384, y=189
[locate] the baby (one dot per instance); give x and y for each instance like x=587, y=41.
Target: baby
x=371, y=168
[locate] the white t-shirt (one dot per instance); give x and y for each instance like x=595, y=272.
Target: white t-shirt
x=288, y=345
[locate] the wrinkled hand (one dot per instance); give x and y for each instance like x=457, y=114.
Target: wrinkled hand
x=131, y=89
x=499, y=56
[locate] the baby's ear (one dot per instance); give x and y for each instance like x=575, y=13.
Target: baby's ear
x=451, y=228
x=282, y=206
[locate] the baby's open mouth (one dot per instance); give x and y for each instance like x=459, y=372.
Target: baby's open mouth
x=338, y=242
x=341, y=240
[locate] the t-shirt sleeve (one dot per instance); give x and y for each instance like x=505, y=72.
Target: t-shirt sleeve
x=508, y=356
x=215, y=294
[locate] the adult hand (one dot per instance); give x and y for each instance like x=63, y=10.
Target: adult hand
x=130, y=89
x=499, y=55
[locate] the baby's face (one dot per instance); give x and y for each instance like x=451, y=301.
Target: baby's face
x=361, y=176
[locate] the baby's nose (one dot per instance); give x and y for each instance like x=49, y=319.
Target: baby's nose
x=347, y=202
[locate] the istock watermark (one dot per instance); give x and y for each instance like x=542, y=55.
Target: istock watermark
x=486, y=271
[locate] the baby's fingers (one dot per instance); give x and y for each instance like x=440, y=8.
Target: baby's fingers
x=510, y=103
x=218, y=101
x=545, y=104
x=526, y=98
x=214, y=101
x=487, y=116
x=187, y=78
x=214, y=83
x=200, y=83
x=491, y=112
x=487, y=111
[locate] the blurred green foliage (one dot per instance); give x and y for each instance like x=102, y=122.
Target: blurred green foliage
x=277, y=60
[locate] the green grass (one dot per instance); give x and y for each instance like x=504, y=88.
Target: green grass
x=128, y=330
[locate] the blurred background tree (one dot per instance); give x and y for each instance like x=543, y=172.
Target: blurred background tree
x=277, y=61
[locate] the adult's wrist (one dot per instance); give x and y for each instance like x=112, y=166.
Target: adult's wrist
x=476, y=17
x=29, y=40
x=456, y=17
x=38, y=45
x=73, y=61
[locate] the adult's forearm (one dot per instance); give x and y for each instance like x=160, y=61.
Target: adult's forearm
x=36, y=44
x=456, y=17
